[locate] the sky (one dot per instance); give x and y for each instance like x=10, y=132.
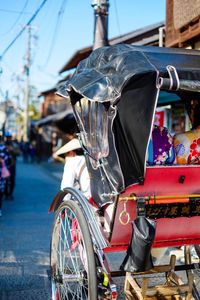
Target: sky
x=60, y=29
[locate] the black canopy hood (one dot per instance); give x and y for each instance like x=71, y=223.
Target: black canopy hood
x=114, y=93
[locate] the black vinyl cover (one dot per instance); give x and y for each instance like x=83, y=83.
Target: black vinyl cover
x=114, y=94
x=102, y=76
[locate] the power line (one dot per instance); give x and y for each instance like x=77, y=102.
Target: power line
x=20, y=14
x=22, y=30
x=14, y=11
x=53, y=42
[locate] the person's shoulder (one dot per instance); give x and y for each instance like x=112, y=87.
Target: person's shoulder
x=75, y=160
x=179, y=136
x=184, y=134
x=80, y=159
x=3, y=148
x=183, y=137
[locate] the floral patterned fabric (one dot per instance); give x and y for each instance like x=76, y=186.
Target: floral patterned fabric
x=7, y=159
x=160, y=150
x=187, y=147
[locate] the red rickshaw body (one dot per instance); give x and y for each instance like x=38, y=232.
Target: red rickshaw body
x=114, y=94
x=177, y=182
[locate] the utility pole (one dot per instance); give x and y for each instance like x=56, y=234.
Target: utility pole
x=100, y=23
x=27, y=90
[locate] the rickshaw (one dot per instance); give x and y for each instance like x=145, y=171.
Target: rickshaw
x=114, y=94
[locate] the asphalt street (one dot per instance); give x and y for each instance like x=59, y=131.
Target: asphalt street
x=25, y=229
x=25, y=233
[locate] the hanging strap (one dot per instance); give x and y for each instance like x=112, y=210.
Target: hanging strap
x=79, y=175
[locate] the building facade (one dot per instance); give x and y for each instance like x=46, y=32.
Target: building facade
x=183, y=24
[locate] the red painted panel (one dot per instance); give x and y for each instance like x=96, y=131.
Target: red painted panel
x=162, y=181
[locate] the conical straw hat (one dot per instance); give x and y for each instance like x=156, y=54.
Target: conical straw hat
x=70, y=146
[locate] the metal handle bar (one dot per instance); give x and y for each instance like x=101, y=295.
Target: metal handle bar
x=159, y=197
x=184, y=85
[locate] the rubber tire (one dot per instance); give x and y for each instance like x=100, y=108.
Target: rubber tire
x=92, y=274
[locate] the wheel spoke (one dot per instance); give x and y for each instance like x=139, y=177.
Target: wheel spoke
x=71, y=243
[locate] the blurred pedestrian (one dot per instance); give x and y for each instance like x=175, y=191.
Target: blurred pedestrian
x=14, y=151
x=32, y=151
x=25, y=151
x=5, y=161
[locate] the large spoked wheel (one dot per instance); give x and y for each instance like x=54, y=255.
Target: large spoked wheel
x=72, y=256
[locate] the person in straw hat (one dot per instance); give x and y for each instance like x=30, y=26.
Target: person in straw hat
x=75, y=172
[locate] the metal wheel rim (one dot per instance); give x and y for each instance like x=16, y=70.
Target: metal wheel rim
x=71, y=275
